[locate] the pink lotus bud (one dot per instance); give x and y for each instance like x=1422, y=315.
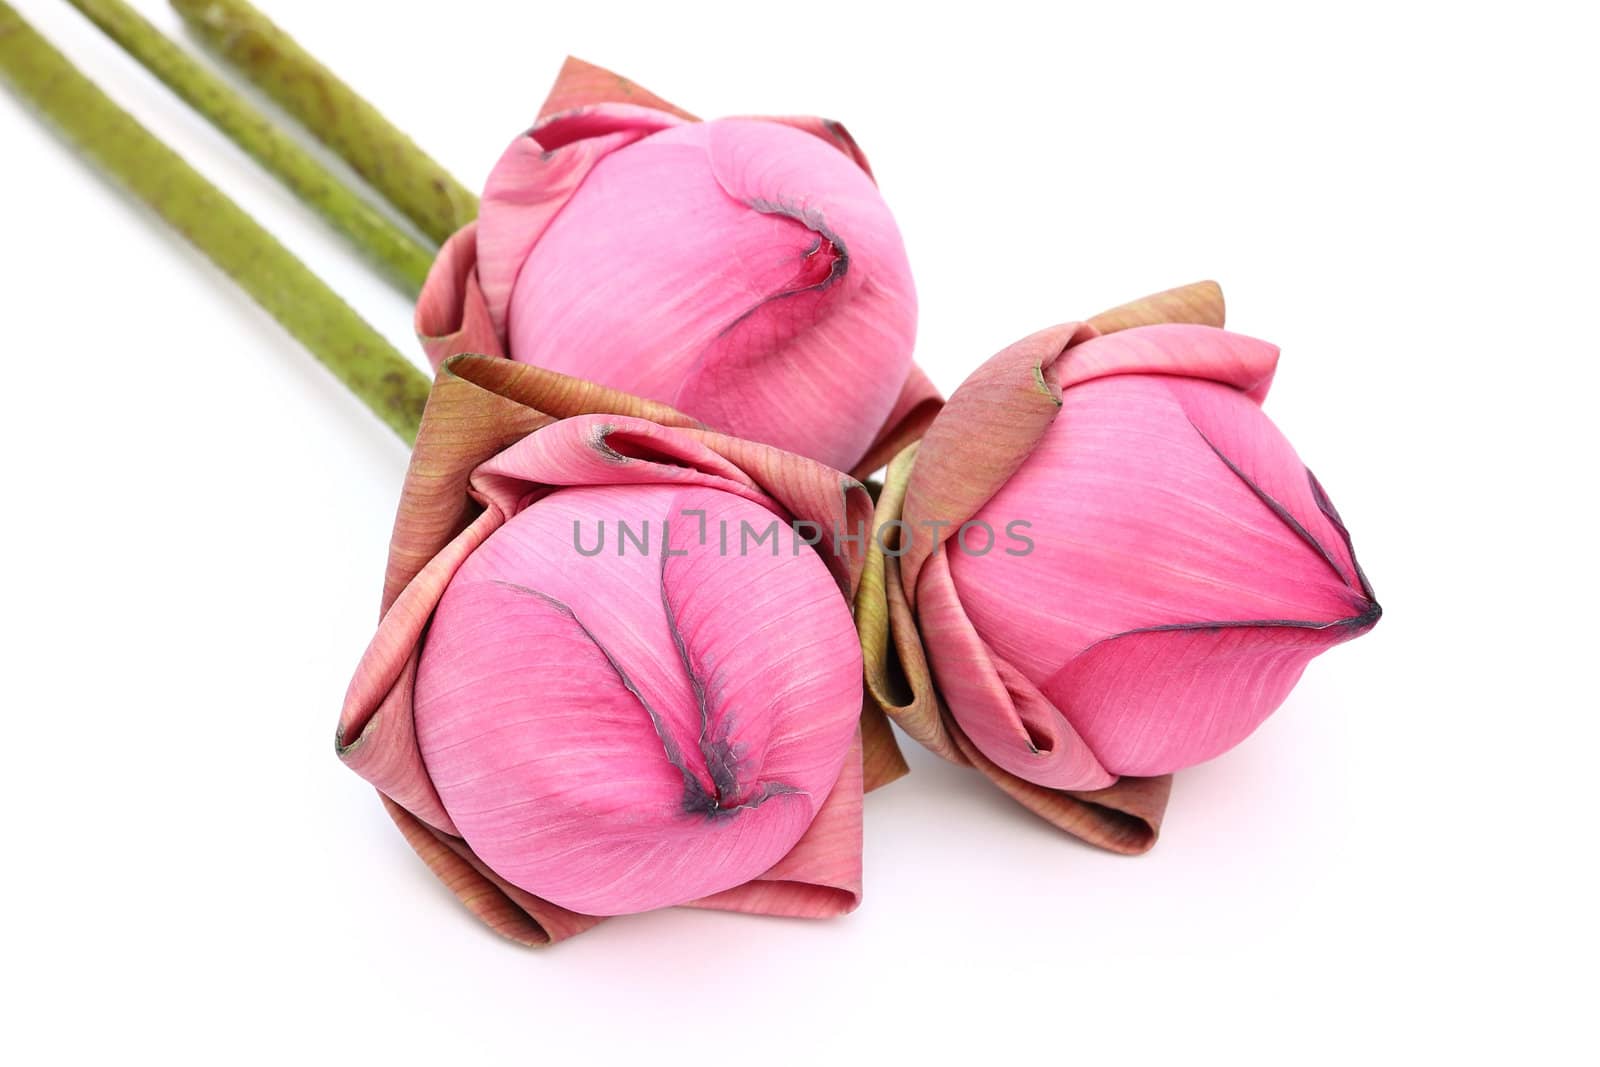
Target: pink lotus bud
x=1139, y=566
x=742, y=271
x=745, y=271
x=640, y=727
x=612, y=673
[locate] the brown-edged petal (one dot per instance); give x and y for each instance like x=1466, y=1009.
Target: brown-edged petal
x=983, y=434
x=583, y=84
x=479, y=406
x=376, y=735
x=898, y=680
x=510, y=912
x=810, y=492
x=913, y=412
x=992, y=702
x=1124, y=817
x=451, y=316
x=882, y=761
x=1199, y=303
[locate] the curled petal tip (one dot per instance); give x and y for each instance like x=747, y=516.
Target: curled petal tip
x=583, y=84
x=1198, y=303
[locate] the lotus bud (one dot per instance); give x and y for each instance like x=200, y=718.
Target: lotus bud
x=617, y=670
x=1178, y=569
x=1115, y=564
x=746, y=272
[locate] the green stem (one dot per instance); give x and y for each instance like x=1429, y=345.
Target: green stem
x=400, y=257
x=417, y=186
x=380, y=376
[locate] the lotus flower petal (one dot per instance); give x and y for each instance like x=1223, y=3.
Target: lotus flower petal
x=828, y=131
x=898, y=680
x=1124, y=817
x=451, y=316
x=1199, y=303
x=1178, y=349
x=913, y=413
x=1264, y=461
x=582, y=84
x=982, y=435
x=1003, y=713
x=513, y=386
x=534, y=180
x=1152, y=701
x=603, y=450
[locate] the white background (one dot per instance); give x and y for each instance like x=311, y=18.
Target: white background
x=1398, y=863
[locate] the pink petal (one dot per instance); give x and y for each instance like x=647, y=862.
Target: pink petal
x=1264, y=460
x=1178, y=349
x=983, y=434
x=606, y=450
x=837, y=509
x=451, y=315
x=1136, y=522
x=914, y=411
x=828, y=130
x=1009, y=720
x=535, y=178
x=770, y=644
x=1152, y=702
x=376, y=736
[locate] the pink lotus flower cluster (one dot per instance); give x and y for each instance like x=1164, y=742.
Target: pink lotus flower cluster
x=642, y=634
